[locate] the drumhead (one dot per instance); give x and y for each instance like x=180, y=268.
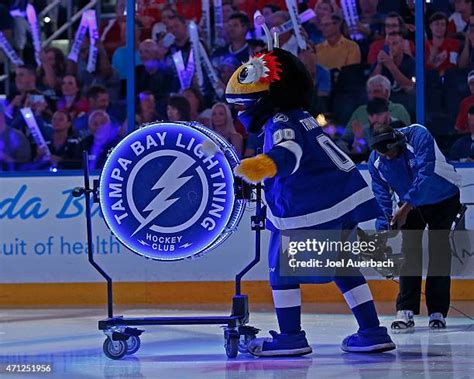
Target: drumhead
x=165, y=196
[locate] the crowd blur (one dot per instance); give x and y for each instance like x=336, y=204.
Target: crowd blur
x=363, y=72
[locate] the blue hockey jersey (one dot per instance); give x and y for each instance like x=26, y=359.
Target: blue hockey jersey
x=420, y=175
x=317, y=185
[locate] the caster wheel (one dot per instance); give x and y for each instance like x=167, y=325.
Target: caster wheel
x=115, y=349
x=244, y=342
x=133, y=344
x=232, y=347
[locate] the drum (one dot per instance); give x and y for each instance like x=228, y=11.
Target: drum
x=167, y=191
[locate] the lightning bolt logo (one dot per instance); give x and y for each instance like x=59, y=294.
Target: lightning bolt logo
x=169, y=183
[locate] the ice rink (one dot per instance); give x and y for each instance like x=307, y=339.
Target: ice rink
x=70, y=342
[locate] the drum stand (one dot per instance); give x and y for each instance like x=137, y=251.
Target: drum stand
x=122, y=339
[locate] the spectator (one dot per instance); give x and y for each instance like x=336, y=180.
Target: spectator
x=14, y=146
x=336, y=51
x=463, y=148
x=63, y=146
x=393, y=24
x=98, y=99
x=178, y=109
x=459, y=20
x=370, y=21
x=256, y=46
x=378, y=86
x=53, y=68
x=322, y=8
x=153, y=74
x=321, y=78
x=395, y=65
x=222, y=123
x=268, y=10
x=377, y=111
x=198, y=111
x=236, y=29
x=103, y=136
x=111, y=31
x=167, y=13
x=228, y=9
x=466, y=58
x=71, y=100
x=120, y=60
x=461, y=119
x=104, y=74
x=178, y=28
x=41, y=111
x=441, y=52
x=287, y=40
x=25, y=82
x=147, y=109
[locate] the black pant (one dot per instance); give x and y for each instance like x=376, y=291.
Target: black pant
x=439, y=218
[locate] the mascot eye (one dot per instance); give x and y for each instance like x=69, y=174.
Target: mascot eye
x=248, y=75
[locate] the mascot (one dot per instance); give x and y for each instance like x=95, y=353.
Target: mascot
x=309, y=183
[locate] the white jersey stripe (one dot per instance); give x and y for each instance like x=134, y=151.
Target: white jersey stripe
x=325, y=215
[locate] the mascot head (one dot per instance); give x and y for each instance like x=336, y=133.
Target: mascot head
x=271, y=82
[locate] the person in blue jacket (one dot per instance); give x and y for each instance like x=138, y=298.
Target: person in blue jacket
x=408, y=162
x=309, y=184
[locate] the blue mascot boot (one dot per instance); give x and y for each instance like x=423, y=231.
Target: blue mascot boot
x=374, y=340
x=280, y=345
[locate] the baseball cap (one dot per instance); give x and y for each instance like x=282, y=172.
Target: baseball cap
x=376, y=106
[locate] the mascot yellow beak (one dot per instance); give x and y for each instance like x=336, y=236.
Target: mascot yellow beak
x=251, y=81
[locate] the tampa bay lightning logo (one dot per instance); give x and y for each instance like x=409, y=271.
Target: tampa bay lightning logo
x=162, y=196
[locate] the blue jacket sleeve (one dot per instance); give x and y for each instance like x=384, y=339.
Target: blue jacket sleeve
x=286, y=147
x=424, y=152
x=383, y=195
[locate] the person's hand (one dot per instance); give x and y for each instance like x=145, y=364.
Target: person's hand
x=400, y=217
x=384, y=58
x=410, y=27
x=39, y=107
x=357, y=129
x=364, y=29
x=55, y=159
x=438, y=59
x=16, y=101
x=407, y=47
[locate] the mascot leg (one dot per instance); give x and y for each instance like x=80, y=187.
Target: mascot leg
x=371, y=337
x=291, y=341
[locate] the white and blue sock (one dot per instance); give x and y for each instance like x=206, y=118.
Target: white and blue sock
x=359, y=298
x=287, y=300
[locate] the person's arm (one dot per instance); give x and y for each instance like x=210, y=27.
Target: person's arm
x=238, y=142
x=399, y=77
x=461, y=119
x=376, y=70
x=50, y=78
x=105, y=68
x=382, y=193
x=353, y=55
x=463, y=60
x=424, y=151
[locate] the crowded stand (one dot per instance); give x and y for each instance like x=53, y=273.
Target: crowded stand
x=361, y=55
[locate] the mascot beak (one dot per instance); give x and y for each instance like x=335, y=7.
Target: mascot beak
x=251, y=81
